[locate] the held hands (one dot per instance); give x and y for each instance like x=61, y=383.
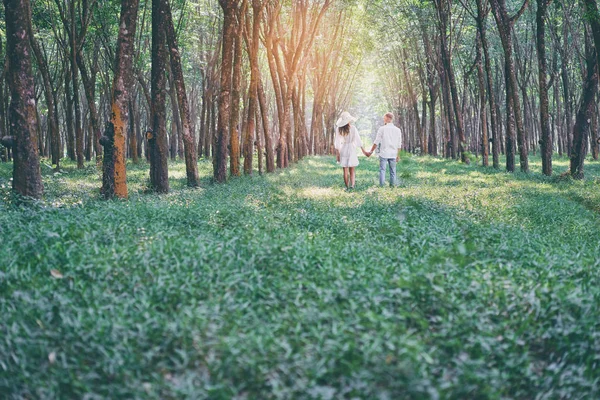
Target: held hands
x=367, y=153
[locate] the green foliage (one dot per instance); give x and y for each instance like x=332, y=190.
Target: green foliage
x=464, y=283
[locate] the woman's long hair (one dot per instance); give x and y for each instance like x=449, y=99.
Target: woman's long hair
x=344, y=130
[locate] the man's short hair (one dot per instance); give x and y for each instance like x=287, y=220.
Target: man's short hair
x=389, y=115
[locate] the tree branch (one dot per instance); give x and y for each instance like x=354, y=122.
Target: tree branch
x=520, y=12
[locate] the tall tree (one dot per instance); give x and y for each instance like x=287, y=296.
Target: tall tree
x=413, y=101
x=252, y=33
x=546, y=139
x=157, y=137
x=482, y=12
x=3, y=149
x=191, y=156
x=590, y=89
x=236, y=92
x=505, y=25
x=591, y=8
x=82, y=14
x=74, y=76
x=262, y=101
x=53, y=130
x=27, y=179
x=223, y=124
x=286, y=53
x=88, y=78
x=485, y=149
x=114, y=177
x=444, y=9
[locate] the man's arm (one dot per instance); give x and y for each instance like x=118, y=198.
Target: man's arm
x=399, y=144
x=376, y=142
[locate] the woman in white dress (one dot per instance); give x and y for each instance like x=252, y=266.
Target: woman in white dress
x=347, y=140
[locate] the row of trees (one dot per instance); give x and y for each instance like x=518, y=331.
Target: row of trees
x=494, y=76
x=224, y=80
x=260, y=80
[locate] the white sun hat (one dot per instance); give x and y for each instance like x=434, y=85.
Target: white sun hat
x=345, y=119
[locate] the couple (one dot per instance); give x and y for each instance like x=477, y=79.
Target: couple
x=388, y=141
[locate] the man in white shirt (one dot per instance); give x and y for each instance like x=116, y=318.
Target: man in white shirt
x=389, y=142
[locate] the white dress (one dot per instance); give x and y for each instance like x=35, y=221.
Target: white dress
x=347, y=146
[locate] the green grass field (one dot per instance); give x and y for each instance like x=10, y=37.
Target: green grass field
x=463, y=283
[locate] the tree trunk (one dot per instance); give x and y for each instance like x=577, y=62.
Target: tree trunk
x=514, y=116
x=279, y=98
x=202, y=131
x=157, y=138
x=432, y=134
x=210, y=122
x=433, y=88
x=250, y=127
x=546, y=139
x=114, y=177
x=590, y=88
x=595, y=140
x=448, y=116
x=591, y=7
x=3, y=97
x=27, y=179
x=444, y=8
x=584, y=115
x=132, y=131
x=485, y=145
x=264, y=112
x=74, y=77
x=259, y=142
x=89, y=87
x=175, y=120
x=69, y=116
x=220, y=155
x=190, y=155
x=413, y=100
x=53, y=130
x=211, y=146
x=234, y=123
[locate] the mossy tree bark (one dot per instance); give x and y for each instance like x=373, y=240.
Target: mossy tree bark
x=27, y=179
x=114, y=179
x=157, y=139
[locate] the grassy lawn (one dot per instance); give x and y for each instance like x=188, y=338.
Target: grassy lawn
x=464, y=283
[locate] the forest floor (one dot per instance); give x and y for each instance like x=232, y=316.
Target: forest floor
x=462, y=283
